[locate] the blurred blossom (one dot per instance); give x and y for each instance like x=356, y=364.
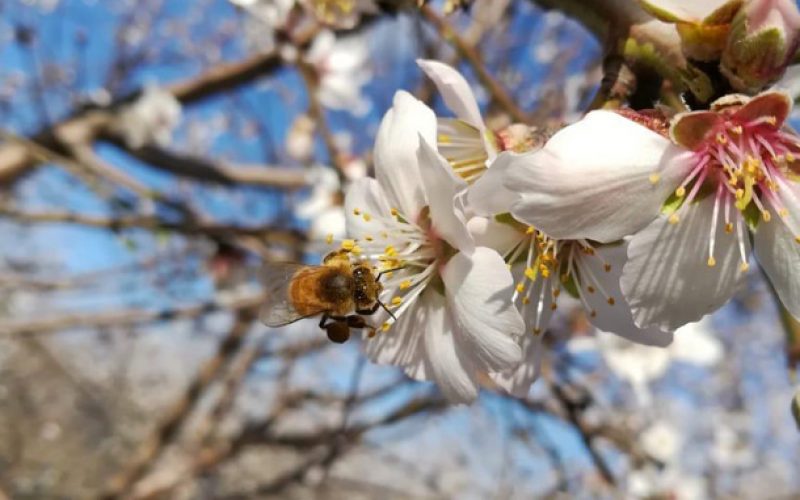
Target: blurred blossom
x=662, y=441
x=300, y=138
x=343, y=68
x=150, y=119
x=264, y=17
x=323, y=208
x=340, y=13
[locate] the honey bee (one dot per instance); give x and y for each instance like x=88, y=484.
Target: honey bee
x=338, y=289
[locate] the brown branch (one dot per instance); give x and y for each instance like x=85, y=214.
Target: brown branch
x=126, y=317
x=167, y=431
x=473, y=57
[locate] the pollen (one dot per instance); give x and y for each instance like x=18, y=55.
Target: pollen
x=711, y=262
x=396, y=301
x=593, y=314
x=356, y=250
x=371, y=333
x=367, y=217
x=394, y=212
x=520, y=287
x=405, y=284
x=607, y=267
x=771, y=120
x=356, y=211
x=530, y=273
x=744, y=267
x=611, y=301
x=545, y=271
x=722, y=138
x=348, y=244
x=384, y=235
x=680, y=192
x=537, y=331
x=368, y=238
x=729, y=227
x=530, y=230
x=673, y=219
x=526, y=300
x=737, y=130
x=329, y=238
x=654, y=178
x=766, y=215
x=783, y=213
x=564, y=278
x=590, y=289
x=553, y=306
x=385, y=326
x=789, y=157
x=390, y=251
x=797, y=239
x=556, y=293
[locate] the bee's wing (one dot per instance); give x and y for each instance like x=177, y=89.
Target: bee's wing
x=278, y=309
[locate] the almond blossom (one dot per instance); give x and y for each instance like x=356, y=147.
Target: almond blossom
x=693, y=203
x=342, y=63
x=452, y=319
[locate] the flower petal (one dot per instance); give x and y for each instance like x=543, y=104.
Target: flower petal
x=396, y=145
x=479, y=290
x=489, y=195
x=667, y=279
x=689, y=10
x=611, y=312
x=690, y=129
x=602, y=178
x=488, y=232
x=775, y=103
x=518, y=381
x=401, y=345
x=455, y=91
x=443, y=190
x=447, y=364
x=779, y=256
x=365, y=208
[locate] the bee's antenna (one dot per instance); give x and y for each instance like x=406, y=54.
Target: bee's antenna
x=378, y=277
x=386, y=309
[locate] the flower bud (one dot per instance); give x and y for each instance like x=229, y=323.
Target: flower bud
x=763, y=39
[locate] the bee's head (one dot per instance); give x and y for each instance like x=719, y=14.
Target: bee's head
x=366, y=287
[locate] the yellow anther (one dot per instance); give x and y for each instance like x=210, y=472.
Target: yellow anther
x=607, y=267
x=444, y=138
x=590, y=289
x=530, y=230
x=797, y=239
x=405, y=284
x=654, y=178
x=348, y=244
x=711, y=261
x=789, y=157
x=545, y=272
x=367, y=217
x=384, y=235
x=593, y=314
x=680, y=192
x=537, y=331
x=766, y=215
x=394, y=212
x=356, y=211
x=556, y=292
x=744, y=267
x=553, y=306
x=388, y=274
x=722, y=138
x=729, y=227
x=783, y=213
x=368, y=238
x=564, y=278
x=390, y=251
x=526, y=300
x=736, y=130
x=530, y=273
x=520, y=287
x=329, y=238
x=611, y=301
x=356, y=250
x=385, y=326
x=396, y=301
x=771, y=120
x=673, y=219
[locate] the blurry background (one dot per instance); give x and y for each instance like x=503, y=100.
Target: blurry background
x=153, y=153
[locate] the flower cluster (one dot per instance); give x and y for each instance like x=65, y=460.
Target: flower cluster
x=646, y=220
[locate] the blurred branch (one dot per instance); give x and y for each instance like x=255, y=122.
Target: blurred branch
x=473, y=57
x=167, y=431
x=110, y=319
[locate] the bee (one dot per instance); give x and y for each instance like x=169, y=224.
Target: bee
x=343, y=292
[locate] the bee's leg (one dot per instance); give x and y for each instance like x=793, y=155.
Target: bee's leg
x=372, y=310
x=323, y=320
x=338, y=331
x=356, y=321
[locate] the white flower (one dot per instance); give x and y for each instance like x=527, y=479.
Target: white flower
x=451, y=298
x=150, y=119
x=340, y=13
x=264, y=16
x=662, y=441
x=342, y=64
x=607, y=177
x=323, y=208
x=300, y=138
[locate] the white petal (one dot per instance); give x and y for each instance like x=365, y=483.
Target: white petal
x=447, y=364
x=518, y=381
x=479, y=290
x=489, y=195
x=614, y=318
x=443, y=190
x=539, y=310
x=365, y=197
x=683, y=10
x=396, y=145
x=455, y=91
x=499, y=236
x=667, y=280
x=779, y=256
x=594, y=179
x=401, y=345
x=695, y=343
